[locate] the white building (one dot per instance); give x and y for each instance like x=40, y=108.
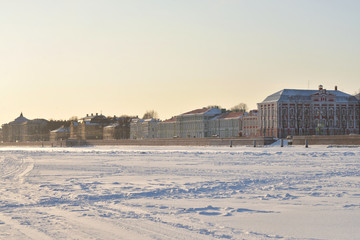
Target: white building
x=226, y=125
x=144, y=128
x=167, y=128
x=195, y=124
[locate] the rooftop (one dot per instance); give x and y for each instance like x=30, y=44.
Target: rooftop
x=229, y=115
x=300, y=94
x=173, y=119
x=197, y=111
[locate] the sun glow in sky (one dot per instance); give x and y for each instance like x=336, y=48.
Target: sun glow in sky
x=60, y=59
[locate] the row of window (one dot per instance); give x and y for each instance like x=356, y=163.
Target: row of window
x=307, y=124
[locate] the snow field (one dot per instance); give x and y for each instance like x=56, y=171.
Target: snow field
x=180, y=193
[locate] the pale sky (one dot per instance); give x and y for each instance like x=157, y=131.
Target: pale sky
x=66, y=58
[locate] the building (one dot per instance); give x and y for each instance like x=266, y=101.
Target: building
x=167, y=128
x=292, y=112
x=195, y=124
x=75, y=130
x=250, y=124
x=23, y=130
x=89, y=127
x=226, y=125
x=119, y=129
x=144, y=128
x=60, y=134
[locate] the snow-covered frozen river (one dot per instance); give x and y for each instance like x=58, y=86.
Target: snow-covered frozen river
x=180, y=193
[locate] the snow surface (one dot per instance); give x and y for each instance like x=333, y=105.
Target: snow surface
x=180, y=193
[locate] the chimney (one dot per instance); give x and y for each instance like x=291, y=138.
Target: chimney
x=96, y=114
x=87, y=114
x=92, y=114
x=320, y=87
x=335, y=88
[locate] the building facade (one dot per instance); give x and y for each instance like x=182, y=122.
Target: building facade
x=167, y=128
x=250, y=124
x=89, y=127
x=119, y=129
x=195, y=124
x=292, y=112
x=23, y=130
x=226, y=125
x=144, y=128
x=60, y=134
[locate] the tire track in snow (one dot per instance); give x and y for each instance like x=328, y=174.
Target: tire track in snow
x=12, y=168
x=31, y=233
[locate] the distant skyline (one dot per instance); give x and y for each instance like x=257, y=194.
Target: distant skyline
x=60, y=59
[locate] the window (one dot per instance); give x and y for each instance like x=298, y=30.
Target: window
x=323, y=123
x=317, y=112
x=292, y=123
x=291, y=112
x=316, y=123
x=323, y=112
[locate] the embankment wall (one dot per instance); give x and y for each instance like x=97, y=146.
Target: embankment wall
x=327, y=140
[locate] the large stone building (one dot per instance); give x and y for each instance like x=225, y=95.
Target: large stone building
x=60, y=134
x=202, y=123
x=292, y=112
x=226, y=125
x=195, y=124
x=144, y=128
x=167, y=128
x=89, y=127
x=23, y=130
x=250, y=124
x=119, y=129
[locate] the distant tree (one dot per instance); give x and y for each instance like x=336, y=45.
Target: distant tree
x=55, y=124
x=74, y=118
x=241, y=107
x=214, y=106
x=150, y=114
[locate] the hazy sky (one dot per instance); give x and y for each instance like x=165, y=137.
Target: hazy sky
x=66, y=58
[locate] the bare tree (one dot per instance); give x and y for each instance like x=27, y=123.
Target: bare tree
x=74, y=118
x=241, y=107
x=214, y=106
x=150, y=114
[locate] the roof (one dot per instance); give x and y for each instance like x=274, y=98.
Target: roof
x=62, y=129
x=151, y=120
x=173, y=119
x=207, y=111
x=197, y=111
x=114, y=125
x=229, y=115
x=92, y=116
x=358, y=96
x=20, y=119
x=305, y=95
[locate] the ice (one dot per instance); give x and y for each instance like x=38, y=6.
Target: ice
x=133, y=192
